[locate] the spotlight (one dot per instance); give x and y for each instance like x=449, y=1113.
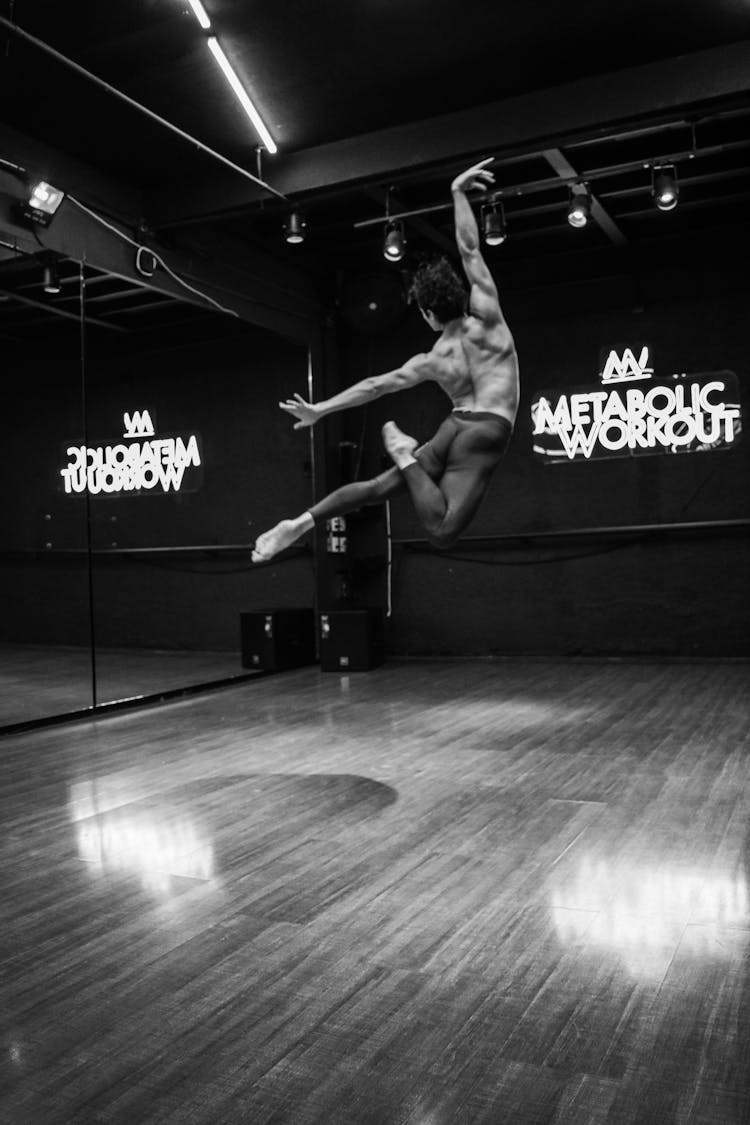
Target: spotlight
x=394, y=244
x=51, y=280
x=295, y=227
x=43, y=203
x=579, y=207
x=493, y=224
x=664, y=187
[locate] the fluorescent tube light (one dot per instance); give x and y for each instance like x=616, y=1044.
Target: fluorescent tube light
x=200, y=14
x=241, y=93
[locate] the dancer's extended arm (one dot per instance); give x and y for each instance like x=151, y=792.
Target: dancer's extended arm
x=414, y=371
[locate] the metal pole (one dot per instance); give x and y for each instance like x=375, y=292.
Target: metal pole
x=89, y=525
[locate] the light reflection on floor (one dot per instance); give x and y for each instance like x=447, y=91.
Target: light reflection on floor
x=154, y=842
x=644, y=912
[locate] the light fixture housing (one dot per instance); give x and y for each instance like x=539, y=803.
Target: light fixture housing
x=51, y=280
x=394, y=242
x=579, y=206
x=43, y=203
x=241, y=93
x=664, y=187
x=295, y=227
x=493, y=223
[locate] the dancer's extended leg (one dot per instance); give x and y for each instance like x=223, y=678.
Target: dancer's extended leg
x=345, y=499
x=280, y=537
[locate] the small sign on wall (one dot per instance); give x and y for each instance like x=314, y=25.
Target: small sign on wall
x=137, y=464
x=631, y=414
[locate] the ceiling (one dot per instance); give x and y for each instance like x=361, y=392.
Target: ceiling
x=322, y=70
x=336, y=81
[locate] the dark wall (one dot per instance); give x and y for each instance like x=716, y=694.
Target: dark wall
x=686, y=596
x=255, y=470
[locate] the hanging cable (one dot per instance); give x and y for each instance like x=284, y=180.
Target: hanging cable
x=140, y=248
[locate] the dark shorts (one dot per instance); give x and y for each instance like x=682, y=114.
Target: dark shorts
x=471, y=440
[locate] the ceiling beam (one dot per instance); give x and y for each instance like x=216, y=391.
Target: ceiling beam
x=54, y=310
x=256, y=286
x=557, y=160
x=656, y=92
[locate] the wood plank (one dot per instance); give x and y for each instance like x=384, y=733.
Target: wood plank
x=455, y=892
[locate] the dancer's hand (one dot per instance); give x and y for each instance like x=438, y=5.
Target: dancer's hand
x=305, y=412
x=476, y=176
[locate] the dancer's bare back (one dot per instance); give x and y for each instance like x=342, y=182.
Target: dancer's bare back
x=475, y=363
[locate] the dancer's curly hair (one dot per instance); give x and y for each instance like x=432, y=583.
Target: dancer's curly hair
x=437, y=287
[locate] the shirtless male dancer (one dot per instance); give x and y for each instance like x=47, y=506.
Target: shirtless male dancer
x=475, y=363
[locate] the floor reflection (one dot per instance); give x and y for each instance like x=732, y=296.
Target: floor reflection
x=148, y=839
x=644, y=912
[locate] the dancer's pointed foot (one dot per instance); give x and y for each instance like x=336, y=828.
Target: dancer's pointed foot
x=399, y=445
x=277, y=539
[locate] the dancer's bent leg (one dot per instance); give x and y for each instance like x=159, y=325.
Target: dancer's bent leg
x=471, y=451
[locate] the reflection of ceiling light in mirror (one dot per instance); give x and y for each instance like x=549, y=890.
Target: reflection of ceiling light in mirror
x=51, y=281
x=579, y=206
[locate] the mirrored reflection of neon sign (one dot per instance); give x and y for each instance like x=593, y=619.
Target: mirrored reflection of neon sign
x=687, y=413
x=638, y=910
x=134, y=466
x=155, y=844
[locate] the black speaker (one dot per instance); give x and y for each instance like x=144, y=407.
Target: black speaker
x=352, y=640
x=275, y=639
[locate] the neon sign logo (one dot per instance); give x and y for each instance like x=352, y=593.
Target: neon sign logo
x=618, y=369
x=684, y=414
x=171, y=463
x=138, y=424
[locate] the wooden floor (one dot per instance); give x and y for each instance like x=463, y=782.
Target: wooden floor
x=432, y=893
x=37, y=681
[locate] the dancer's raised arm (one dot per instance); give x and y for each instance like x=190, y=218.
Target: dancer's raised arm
x=415, y=370
x=483, y=300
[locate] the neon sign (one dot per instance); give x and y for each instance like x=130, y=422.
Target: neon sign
x=684, y=414
x=133, y=466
